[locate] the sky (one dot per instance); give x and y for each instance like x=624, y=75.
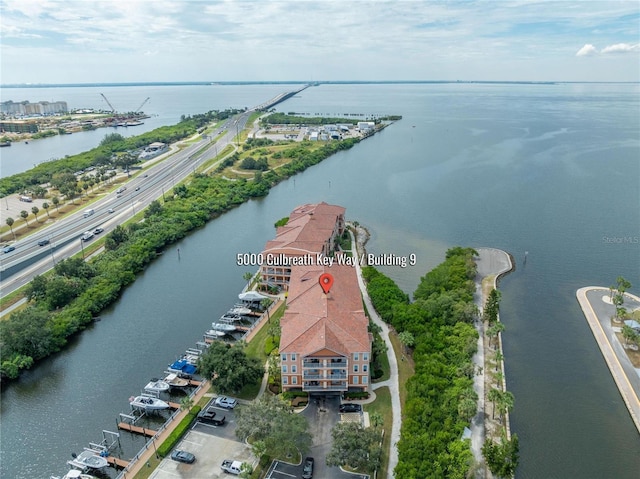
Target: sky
x=96, y=41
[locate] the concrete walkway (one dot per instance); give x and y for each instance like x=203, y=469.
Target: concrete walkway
x=598, y=311
x=490, y=262
x=392, y=382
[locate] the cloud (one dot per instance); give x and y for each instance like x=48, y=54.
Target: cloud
x=587, y=50
x=621, y=48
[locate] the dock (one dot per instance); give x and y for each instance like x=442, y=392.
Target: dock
x=125, y=426
x=117, y=462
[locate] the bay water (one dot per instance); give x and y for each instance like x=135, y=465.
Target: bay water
x=551, y=170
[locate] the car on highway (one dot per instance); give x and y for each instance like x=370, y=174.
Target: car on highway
x=307, y=469
x=111, y=210
x=8, y=249
x=43, y=242
x=226, y=402
x=137, y=188
x=86, y=236
x=350, y=407
x=183, y=456
x=98, y=230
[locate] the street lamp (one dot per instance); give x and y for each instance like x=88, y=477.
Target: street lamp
x=82, y=246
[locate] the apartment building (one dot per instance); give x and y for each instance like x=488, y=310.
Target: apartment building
x=312, y=229
x=325, y=346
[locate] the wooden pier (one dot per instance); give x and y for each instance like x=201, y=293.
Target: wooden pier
x=125, y=426
x=117, y=462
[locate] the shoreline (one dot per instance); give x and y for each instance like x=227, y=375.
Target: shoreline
x=610, y=355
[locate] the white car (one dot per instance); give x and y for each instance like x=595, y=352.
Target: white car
x=226, y=402
x=87, y=236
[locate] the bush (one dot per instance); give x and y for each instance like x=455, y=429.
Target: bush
x=178, y=432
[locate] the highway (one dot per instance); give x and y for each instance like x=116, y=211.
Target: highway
x=29, y=259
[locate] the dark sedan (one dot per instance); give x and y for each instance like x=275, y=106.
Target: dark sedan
x=183, y=456
x=350, y=407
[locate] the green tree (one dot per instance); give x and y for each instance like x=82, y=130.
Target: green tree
x=407, y=339
x=269, y=419
x=502, y=458
x=117, y=236
x=229, y=368
x=10, y=222
x=37, y=288
x=629, y=334
x=35, y=210
x=56, y=201
x=111, y=138
x=46, y=206
x=355, y=447
x=494, y=330
x=155, y=208
x=25, y=216
x=247, y=277
x=492, y=307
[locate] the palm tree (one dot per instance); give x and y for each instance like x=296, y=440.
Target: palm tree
x=407, y=339
x=494, y=330
x=10, y=222
x=35, y=210
x=46, y=207
x=25, y=216
x=494, y=397
x=56, y=201
x=498, y=357
x=186, y=403
x=265, y=303
x=505, y=403
x=247, y=277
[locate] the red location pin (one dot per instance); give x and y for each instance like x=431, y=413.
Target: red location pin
x=326, y=281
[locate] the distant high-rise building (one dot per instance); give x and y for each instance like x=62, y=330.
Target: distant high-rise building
x=10, y=107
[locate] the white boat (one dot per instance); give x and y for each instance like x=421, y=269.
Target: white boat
x=75, y=474
x=229, y=316
x=241, y=310
x=148, y=403
x=251, y=296
x=174, y=381
x=157, y=386
x=88, y=459
x=214, y=333
x=222, y=326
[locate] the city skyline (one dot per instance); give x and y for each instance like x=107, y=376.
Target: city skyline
x=51, y=41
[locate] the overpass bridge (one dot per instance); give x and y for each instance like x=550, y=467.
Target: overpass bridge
x=278, y=99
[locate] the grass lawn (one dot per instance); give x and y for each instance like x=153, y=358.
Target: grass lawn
x=382, y=406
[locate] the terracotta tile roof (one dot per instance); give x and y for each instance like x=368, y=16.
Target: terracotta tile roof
x=309, y=227
x=314, y=321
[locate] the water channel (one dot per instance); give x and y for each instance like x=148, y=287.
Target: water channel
x=551, y=170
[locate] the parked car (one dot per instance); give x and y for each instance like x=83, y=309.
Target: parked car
x=210, y=416
x=8, y=249
x=307, y=469
x=226, y=402
x=43, y=242
x=183, y=456
x=350, y=407
x=98, y=230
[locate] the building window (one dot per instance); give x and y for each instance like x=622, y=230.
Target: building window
x=365, y=379
x=355, y=379
x=365, y=356
x=284, y=368
x=356, y=356
x=285, y=380
x=293, y=356
x=284, y=356
x=355, y=368
x=294, y=380
x=294, y=368
x=365, y=367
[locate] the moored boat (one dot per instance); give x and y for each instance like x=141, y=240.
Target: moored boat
x=75, y=474
x=182, y=367
x=174, y=381
x=240, y=310
x=223, y=326
x=88, y=459
x=157, y=386
x=148, y=403
x=5, y=143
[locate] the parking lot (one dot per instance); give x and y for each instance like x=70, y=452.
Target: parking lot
x=211, y=445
